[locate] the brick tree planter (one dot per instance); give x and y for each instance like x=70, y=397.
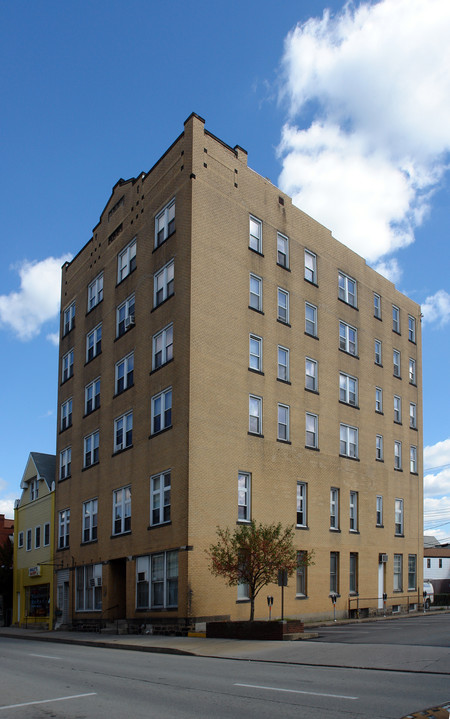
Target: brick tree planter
x=276, y=631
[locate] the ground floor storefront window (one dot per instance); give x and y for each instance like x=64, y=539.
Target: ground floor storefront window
x=88, y=588
x=157, y=581
x=38, y=600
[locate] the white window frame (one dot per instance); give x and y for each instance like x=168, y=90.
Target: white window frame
x=90, y=514
x=92, y=396
x=413, y=415
x=66, y=414
x=412, y=329
x=125, y=315
x=163, y=283
x=94, y=342
x=397, y=455
x=29, y=540
x=160, y=498
x=347, y=289
x=121, y=520
x=348, y=389
x=353, y=511
x=162, y=347
x=127, y=375
x=88, y=588
x=398, y=573
x=34, y=489
x=347, y=342
x=126, y=260
x=91, y=453
x=63, y=528
x=255, y=234
x=69, y=318
x=123, y=431
x=301, y=576
x=310, y=319
x=377, y=305
x=334, y=573
x=311, y=430
x=353, y=573
x=413, y=459
x=379, y=400
x=283, y=366
x=65, y=463
x=165, y=578
x=244, y=496
x=283, y=423
x=255, y=347
x=165, y=223
x=334, y=508
x=282, y=250
x=348, y=441
x=37, y=537
x=399, y=518
x=255, y=414
x=310, y=267
x=379, y=447
x=412, y=572
x=311, y=374
x=378, y=352
x=302, y=505
x=256, y=289
x=283, y=306
x=396, y=357
x=95, y=291
x=396, y=319
x=46, y=542
x=20, y=540
x=379, y=510
x=161, y=407
x=397, y=409
x=412, y=371
x=67, y=366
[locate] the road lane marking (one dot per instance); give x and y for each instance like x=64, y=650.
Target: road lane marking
x=295, y=691
x=48, y=701
x=43, y=656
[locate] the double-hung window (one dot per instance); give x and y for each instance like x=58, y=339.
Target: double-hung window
x=91, y=449
x=162, y=411
x=396, y=360
x=244, y=496
x=377, y=305
x=379, y=511
x=63, y=528
x=396, y=319
x=255, y=414
x=301, y=588
x=283, y=364
x=347, y=289
x=94, y=343
x=379, y=447
x=353, y=511
x=125, y=316
x=165, y=223
x=47, y=534
x=412, y=371
x=88, y=588
x=378, y=356
x=378, y=400
x=65, y=463
x=160, y=487
x=411, y=328
x=29, y=540
x=37, y=537
x=92, y=396
x=312, y=430
x=124, y=373
x=163, y=347
x=20, y=540
x=348, y=389
x=311, y=374
x=126, y=261
x=334, y=508
x=34, y=489
x=283, y=423
x=69, y=318
x=95, y=291
x=66, y=414
x=157, y=581
x=255, y=302
x=397, y=455
x=412, y=572
x=90, y=520
x=122, y=510
x=283, y=306
x=301, y=520
x=123, y=432
x=282, y=250
x=348, y=445
x=163, y=284
x=310, y=267
x=310, y=319
x=255, y=353
x=348, y=338
x=334, y=572
x=255, y=234
x=67, y=365
x=398, y=572
x=413, y=459
x=399, y=517
x=353, y=573
x=397, y=409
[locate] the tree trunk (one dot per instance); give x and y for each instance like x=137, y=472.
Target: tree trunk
x=252, y=607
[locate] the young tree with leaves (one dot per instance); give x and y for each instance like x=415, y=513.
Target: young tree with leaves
x=253, y=554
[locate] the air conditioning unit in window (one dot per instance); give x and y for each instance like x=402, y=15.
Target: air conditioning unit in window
x=382, y=558
x=98, y=581
x=92, y=582
x=142, y=577
x=129, y=321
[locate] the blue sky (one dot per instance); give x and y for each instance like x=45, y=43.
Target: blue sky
x=347, y=108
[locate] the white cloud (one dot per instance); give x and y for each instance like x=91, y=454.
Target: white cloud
x=37, y=300
x=437, y=477
x=377, y=78
x=6, y=500
x=437, y=308
x=390, y=269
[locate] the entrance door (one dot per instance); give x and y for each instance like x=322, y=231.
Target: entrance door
x=380, y=585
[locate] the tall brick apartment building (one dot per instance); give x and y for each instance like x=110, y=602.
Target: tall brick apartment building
x=223, y=358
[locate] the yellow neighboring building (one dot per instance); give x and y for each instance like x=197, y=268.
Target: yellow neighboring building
x=33, y=543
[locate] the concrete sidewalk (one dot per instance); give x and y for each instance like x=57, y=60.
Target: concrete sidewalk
x=406, y=658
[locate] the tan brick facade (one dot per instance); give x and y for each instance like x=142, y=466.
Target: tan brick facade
x=152, y=565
